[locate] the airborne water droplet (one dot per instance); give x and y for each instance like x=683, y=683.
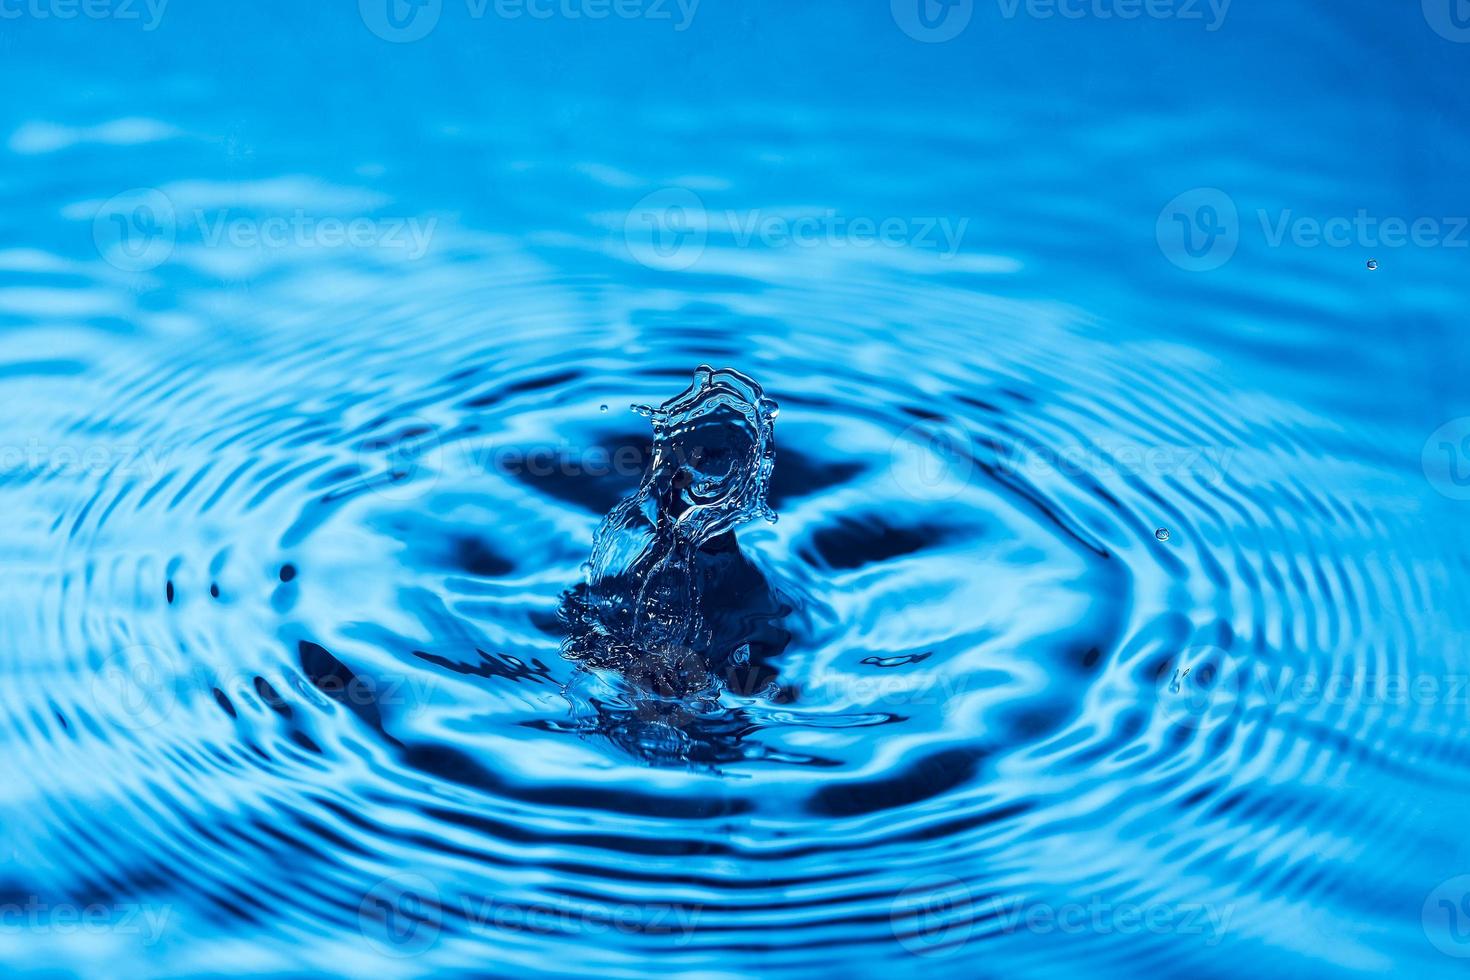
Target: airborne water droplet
x=1162, y=534
x=602, y=408
x=1372, y=265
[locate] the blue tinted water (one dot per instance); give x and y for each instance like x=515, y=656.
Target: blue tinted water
x=1114, y=619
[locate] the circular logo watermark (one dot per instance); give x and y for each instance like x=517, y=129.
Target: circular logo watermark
x=402, y=462
x=1199, y=230
x=400, y=21
x=1450, y=19
x=932, y=21
x=933, y=916
x=135, y=230
x=136, y=688
x=401, y=915
x=931, y=460
x=1201, y=687
x=1446, y=459
x=667, y=229
x=1446, y=917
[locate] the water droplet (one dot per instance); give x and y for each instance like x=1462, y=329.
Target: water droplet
x=602, y=408
x=1162, y=534
x=1372, y=265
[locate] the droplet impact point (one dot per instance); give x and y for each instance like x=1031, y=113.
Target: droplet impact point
x=646, y=605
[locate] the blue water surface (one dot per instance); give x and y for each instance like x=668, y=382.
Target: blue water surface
x=1114, y=619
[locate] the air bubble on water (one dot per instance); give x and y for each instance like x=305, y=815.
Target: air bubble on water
x=1162, y=534
x=1372, y=265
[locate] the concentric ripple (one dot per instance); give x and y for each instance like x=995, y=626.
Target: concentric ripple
x=285, y=668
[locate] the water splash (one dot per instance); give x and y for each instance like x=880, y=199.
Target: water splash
x=663, y=554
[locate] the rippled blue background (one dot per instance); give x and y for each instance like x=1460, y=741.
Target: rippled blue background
x=282, y=689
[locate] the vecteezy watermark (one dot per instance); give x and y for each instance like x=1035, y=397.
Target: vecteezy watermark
x=138, y=230
x=404, y=462
x=932, y=460
x=932, y=21
x=403, y=21
x=937, y=915
x=627, y=461
x=135, y=230
x=1210, y=13
x=1207, y=464
x=1362, y=230
x=1446, y=917
x=1446, y=459
x=667, y=229
x=403, y=693
x=406, y=458
x=897, y=691
x=831, y=229
x=1098, y=916
x=140, y=687
x=137, y=687
x=1450, y=19
x=301, y=229
x=569, y=918
x=935, y=21
x=70, y=459
x=1205, y=685
x=670, y=229
x=34, y=914
x=403, y=916
x=933, y=916
x=1202, y=687
x=400, y=21
x=149, y=13
x=1200, y=230
x=935, y=459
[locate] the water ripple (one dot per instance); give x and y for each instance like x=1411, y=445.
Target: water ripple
x=282, y=600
